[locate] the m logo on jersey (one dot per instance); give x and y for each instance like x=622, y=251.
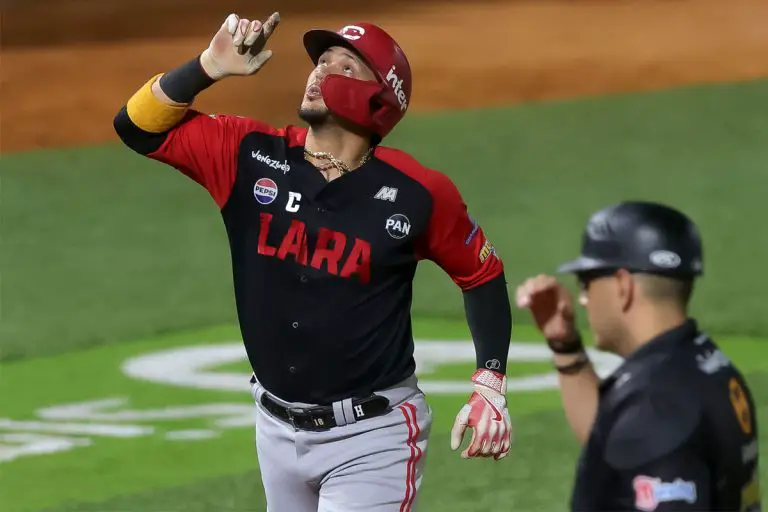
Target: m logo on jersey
x=386, y=194
x=398, y=226
x=265, y=190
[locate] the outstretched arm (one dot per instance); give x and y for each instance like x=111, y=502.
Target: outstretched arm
x=459, y=246
x=157, y=120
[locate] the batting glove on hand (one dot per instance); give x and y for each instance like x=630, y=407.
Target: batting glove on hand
x=238, y=47
x=487, y=414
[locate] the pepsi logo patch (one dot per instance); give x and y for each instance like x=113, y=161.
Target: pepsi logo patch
x=398, y=226
x=265, y=190
x=352, y=32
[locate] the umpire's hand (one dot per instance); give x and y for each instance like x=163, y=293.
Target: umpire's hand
x=551, y=305
x=238, y=47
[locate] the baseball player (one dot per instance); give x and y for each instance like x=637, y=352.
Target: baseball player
x=674, y=427
x=326, y=227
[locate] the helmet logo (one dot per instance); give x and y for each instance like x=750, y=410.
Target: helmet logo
x=599, y=229
x=665, y=259
x=352, y=32
x=397, y=86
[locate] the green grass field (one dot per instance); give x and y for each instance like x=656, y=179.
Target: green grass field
x=107, y=257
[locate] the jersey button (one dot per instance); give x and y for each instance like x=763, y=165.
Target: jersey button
x=321, y=209
x=303, y=278
x=292, y=369
x=295, y=325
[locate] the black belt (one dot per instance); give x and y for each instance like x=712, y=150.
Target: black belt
x=320, y=418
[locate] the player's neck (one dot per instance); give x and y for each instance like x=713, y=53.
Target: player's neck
x=646, y=327
x=346, y=146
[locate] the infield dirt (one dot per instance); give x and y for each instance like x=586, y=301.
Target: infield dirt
x=69, y=65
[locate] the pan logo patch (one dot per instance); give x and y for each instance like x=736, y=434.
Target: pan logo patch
x=398, y=226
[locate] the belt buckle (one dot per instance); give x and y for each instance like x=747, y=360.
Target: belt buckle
x=291, y=419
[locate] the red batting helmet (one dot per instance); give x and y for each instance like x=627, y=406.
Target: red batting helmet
x=377, y=106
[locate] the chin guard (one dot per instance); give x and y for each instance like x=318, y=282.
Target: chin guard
x=365, y=104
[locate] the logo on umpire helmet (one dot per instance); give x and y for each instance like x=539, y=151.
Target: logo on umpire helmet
x=598, y=227
x=398, y=226
x=665, y=259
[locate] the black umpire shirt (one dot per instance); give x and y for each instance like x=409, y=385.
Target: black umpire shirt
x=323, y=270
x=675, y=430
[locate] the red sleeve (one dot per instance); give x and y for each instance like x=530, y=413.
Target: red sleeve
x=453, y=240
x=204, y=147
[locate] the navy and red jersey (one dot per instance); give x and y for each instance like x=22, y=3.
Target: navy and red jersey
x=323, y=271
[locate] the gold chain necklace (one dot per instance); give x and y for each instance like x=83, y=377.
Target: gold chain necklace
x=333, y=161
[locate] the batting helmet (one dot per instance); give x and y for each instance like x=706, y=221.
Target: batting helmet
x=377, y=106
x=642, y=237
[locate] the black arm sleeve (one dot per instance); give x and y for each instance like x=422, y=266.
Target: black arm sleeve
x=489, y=317
x=134, y=137
x=185, y=82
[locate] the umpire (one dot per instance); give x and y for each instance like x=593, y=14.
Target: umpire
x=674, y=427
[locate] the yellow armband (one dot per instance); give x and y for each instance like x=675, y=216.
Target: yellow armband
x=150, y=114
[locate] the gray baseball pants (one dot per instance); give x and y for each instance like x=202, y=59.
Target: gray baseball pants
x=372, y=465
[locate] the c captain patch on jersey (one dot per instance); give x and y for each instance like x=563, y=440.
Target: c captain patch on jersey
x=398, y=226
x=265, y=190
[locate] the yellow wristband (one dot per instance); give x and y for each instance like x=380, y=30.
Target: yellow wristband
x=150, y=114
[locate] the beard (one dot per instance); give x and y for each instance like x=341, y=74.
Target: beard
x=314, y=116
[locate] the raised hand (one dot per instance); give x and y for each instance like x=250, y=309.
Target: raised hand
x=238, y=47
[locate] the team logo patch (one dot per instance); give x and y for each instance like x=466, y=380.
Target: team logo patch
x=352, y=32
x=487, y=250
x=265, y=190
x=650, y=492
x=398, y=226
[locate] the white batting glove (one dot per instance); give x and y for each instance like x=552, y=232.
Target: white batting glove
x=238, y=47
x=486, y=413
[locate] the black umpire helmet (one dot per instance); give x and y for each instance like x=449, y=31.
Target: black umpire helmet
x=641, y=237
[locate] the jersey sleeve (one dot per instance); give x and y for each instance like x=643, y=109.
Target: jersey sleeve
x=654, y=447
x=454, y=241
x=205, y=148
